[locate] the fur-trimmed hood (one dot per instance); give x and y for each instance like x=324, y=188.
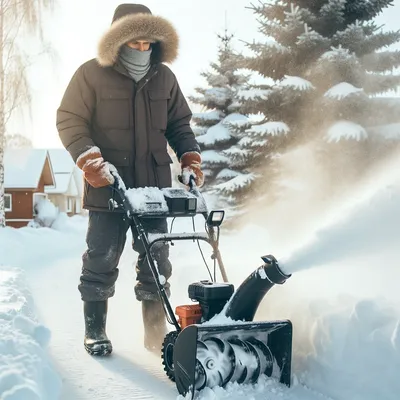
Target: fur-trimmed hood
x=139, y=26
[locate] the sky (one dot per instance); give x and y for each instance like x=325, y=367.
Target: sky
x=74, y=29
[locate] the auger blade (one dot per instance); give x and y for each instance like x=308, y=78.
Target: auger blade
x=214, y=355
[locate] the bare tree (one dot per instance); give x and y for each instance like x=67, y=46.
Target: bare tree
x=20, y=21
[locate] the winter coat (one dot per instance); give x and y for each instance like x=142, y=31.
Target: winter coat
x=130, y=122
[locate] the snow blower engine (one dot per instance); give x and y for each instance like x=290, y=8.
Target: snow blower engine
x=215, y=340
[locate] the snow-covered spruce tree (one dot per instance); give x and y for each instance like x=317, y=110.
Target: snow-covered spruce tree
x=216, y=127
x=323, y=62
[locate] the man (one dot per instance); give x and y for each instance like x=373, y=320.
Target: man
x=123, y=108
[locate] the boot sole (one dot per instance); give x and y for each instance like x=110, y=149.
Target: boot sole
x=99, y=349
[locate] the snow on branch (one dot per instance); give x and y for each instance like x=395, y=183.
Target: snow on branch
x=237, y=183
x=227, y=173
x=342, y=90
x=214, y=115
x=253, y=94
x=346, y=130
x=272, y=128
x=216, y=134
x=236, y=121
x=218, y=95
x=297, y=83
x=337, y=53
x=213, y=157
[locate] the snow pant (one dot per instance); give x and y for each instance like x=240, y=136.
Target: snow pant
x=106, y=238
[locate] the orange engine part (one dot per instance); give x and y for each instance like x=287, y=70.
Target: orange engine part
x=188, y=314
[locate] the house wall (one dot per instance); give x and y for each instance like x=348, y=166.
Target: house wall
x=22, y=208
x=60, y=201
x=22, y=205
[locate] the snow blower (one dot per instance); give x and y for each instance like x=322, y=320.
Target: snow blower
x=215, y=340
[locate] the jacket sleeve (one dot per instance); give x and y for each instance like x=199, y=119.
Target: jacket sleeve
x=74, y=115
x=179, y=134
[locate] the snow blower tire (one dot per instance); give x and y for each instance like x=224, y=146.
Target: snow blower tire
x=167, y=354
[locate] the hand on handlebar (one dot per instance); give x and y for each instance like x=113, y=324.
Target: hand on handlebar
x=191, y=169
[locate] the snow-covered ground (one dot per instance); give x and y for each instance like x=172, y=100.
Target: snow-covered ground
x=343, y=299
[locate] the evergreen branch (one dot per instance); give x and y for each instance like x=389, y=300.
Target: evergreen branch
x=379, y=40
x=272, y=60
x=364, y=10
x=381, y=62
x=375, y=83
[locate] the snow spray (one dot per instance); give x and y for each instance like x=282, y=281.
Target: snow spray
x=367, y=223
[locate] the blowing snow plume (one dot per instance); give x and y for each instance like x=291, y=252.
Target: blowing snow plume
x=368, y=222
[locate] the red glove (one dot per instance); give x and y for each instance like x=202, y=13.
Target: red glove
x=96, y=171
x=191, y=167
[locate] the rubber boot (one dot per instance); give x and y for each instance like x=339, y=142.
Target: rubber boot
x=155, y=325
x=96, y=341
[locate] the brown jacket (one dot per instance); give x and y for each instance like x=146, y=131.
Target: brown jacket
x=130, y=122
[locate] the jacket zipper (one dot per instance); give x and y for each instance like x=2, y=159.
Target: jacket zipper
x=134, y=110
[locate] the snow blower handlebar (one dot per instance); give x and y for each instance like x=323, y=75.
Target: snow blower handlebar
x=149, y=239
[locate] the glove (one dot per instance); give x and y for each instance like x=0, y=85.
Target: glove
x=190, y=165
x=96, y=171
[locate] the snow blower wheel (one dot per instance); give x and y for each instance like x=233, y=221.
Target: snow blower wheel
x=202, y=353
x=167, y=354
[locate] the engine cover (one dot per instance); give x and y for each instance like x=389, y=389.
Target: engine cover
x=211, y=296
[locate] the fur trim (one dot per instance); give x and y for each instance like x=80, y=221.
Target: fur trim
x=136, y=27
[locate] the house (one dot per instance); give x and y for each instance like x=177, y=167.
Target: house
x=26, y=173
x=68, y=191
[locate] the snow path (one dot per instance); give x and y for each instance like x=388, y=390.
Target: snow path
x=131, y=372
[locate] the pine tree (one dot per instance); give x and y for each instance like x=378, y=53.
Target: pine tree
x=323, y=62
x=217, y=127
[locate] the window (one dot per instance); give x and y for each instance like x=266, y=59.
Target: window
x=8, y=202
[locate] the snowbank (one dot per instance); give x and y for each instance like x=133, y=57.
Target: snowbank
x=25, y=371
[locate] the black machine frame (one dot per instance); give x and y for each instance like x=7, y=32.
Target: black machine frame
x=211, y=236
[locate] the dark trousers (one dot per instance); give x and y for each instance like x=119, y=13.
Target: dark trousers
x=106, y=238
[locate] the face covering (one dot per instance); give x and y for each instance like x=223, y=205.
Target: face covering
x=135, y=61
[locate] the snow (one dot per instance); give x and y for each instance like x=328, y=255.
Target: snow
x=220, y=132
x=216, y=134
x=226, y=173
x=213, y=157
x=23, y=167
x=236, y=118
x=61, y=160
x=386, y=132
x=238, y=182
x=342, y=298
x=64, y=169
x=218, y=95
x=214, y=115
x=253, y=94
x=346, y=130
x=64, y=184
x=342, y=227
x=342, y=90
x=337, y=53
x=26, y=372
x=296, y=82
x=272, y=128
x=140, y=197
